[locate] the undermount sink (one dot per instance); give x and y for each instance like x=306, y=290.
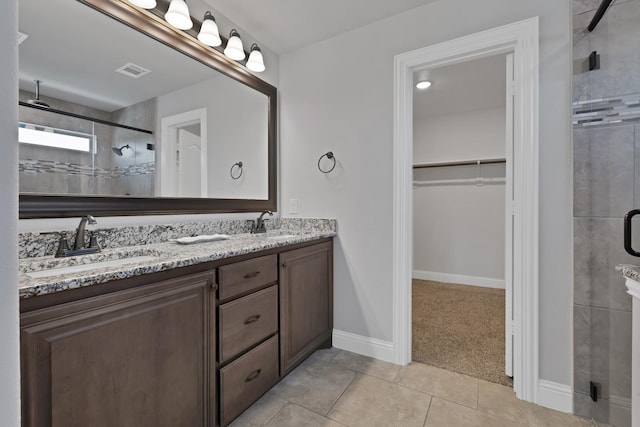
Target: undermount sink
x=60, y=266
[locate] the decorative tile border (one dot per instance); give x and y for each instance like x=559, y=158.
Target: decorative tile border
x=49, y=166
x=606, y=111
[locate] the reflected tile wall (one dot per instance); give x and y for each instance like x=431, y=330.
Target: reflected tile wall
x=606, y=169
x=50, y=170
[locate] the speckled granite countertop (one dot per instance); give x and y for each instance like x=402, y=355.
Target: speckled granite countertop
x=145, y=259
x=629, y=271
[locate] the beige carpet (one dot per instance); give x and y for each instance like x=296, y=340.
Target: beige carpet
x=460, y=328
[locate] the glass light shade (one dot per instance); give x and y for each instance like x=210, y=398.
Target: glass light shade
x=255, y=61
x=145, y=4
x=234, y=49
x=178, y=15
x=425, y=84
x=209, y=34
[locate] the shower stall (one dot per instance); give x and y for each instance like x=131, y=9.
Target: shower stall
x=606, y=167
x=71, y=149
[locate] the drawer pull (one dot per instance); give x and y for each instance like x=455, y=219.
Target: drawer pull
x=252, y=319
x=251, y=275
x=253, y=375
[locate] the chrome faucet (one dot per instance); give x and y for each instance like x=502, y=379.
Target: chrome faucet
x=258, y=226
x=79, y=242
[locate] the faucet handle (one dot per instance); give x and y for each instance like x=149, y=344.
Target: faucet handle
x=63, y=246
x=93, y=240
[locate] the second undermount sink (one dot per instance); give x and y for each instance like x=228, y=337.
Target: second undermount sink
x=61, y=266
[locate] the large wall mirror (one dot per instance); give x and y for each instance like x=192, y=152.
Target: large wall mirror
x=132, y=117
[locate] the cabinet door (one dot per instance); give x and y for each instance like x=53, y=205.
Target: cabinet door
x=140, y=357
x=306, y=302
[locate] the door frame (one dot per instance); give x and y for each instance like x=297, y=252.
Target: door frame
x=168, y=140
x=520, y=38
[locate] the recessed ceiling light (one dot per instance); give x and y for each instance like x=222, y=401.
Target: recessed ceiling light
x=425, y=84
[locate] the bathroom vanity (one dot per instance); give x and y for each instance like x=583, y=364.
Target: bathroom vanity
x=190, y=338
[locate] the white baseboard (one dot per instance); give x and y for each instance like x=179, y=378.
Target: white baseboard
x=366, y=346
x=484, y=282
x=555, y=396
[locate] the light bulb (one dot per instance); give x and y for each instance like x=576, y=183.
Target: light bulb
x=145, y=4
x=209, y=34
x=178, y=15
x=425, y=84
x=255, y=61
x=234, y=49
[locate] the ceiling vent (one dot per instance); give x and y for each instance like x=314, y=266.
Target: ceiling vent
x=22, y=37
x=132, y=70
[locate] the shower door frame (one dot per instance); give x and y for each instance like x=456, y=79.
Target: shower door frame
x=521, y=39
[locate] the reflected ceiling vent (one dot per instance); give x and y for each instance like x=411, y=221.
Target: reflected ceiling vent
x=132, y=70
x=22, y=37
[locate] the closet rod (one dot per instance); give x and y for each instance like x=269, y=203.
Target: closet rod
x=461, y=163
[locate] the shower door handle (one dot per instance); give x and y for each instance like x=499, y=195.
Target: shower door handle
x=627, y=232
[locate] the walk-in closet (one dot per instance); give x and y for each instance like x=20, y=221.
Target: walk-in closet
x=460, y=218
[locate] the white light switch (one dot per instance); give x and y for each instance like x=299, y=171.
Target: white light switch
x=293, y=206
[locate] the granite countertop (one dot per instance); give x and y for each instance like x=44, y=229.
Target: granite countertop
x=146, y=259
x=629, y=271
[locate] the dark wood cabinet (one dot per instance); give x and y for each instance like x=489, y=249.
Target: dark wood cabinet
x=306, y=303
x=169, y=349
x=139, y=357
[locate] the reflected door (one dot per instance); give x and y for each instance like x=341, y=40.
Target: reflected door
x=188, y=159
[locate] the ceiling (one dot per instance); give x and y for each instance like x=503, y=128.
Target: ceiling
x=79, y=66
x=287, y=25
x=462, y=87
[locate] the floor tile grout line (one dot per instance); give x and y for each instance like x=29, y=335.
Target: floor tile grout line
x=341, y=394
x=277, y=412
x=426, y=417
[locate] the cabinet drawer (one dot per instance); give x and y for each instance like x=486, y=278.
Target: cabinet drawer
x=246, y=379
x=247, y=320
x=242, y=277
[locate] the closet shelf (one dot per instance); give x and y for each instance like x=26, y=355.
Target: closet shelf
x=460, y=163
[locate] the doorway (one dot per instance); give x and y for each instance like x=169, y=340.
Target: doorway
x=462, y=233
x=183, y=155
x=521, y=39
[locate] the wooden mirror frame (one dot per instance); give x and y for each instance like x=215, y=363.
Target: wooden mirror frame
x=57, y=206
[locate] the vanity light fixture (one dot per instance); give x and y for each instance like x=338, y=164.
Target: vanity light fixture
x=425, y=84
x=234, y=49
x=178, y=15
x=209, y=34
x=255, y=61
x=144, y=4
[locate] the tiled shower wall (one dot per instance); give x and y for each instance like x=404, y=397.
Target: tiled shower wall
x=50, y=171
x=606, y=156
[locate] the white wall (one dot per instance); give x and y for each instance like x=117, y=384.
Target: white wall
x=9, y=355
x=470, y=135
x=237, y=125
x=338, y=95
x=458, y=230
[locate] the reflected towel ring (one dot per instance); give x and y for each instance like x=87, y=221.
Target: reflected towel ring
x=329, y=155
x=239, y=165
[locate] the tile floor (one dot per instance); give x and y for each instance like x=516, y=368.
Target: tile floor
x=336, y=388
